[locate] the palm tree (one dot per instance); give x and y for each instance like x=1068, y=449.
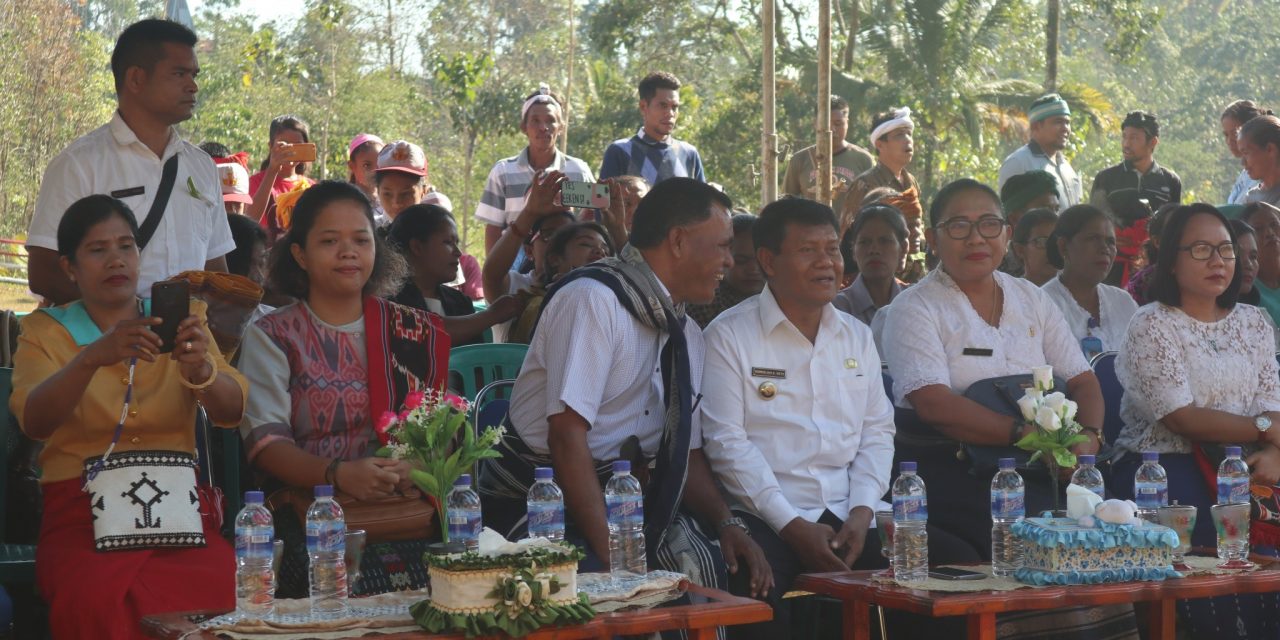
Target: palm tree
x=937, y=54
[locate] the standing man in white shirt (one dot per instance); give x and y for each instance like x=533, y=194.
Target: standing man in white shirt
x=1050, y=120
x=155, y=68
x=797, y=425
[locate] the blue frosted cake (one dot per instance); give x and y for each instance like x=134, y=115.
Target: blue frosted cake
x=1061, y=551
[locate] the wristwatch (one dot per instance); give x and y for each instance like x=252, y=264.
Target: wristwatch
x=1263, y=423
x=734, y=521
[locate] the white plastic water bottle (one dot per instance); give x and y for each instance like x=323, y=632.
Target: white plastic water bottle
x=1008, y=505
x=1150, y=487
x=1233, y=478
x=546, y=506
x=463, y=505
x=327, y=545
x=625, y=502
x=1088, y=477
x=255, y=578
x=910, y=538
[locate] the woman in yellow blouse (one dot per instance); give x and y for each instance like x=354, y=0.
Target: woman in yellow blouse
x=75, y=368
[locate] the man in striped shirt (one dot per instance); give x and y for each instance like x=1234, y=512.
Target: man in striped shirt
x=653, y=154
x=541, y=120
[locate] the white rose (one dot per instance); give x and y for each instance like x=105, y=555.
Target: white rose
x=1028, y=405
x=1042, y=376
x=1055, y=401
x=1048, y=420
x=1034, y=394
x=524, y=595
x=1070, y=414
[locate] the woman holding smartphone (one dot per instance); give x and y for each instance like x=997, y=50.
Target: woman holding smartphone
x=75, y=367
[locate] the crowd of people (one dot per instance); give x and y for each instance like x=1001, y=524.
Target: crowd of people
x=763, y=430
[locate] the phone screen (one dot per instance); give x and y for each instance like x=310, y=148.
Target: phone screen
x=302, y=152
x=585, y=195
x=171, y=302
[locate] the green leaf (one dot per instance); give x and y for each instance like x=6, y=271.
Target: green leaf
x=425, y=482
x=1064, y=458
x=383, y=452
x=1034, y=456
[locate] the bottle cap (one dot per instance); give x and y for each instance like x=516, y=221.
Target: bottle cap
x=324, y=491
x=1087, y=459
x=1007, y=463
x=1233, y=452
x=1150, y=456
x=543, y=473
x=463, y=480
x=253, y=497
x=622, y=466
x=907, y=467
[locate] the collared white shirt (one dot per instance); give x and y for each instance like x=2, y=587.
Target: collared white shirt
x=1030, y=157
x=824, y=441
x=934, y=336
x=110, y=159
x=1116, y=308
x=591, y=355
x=509, y=182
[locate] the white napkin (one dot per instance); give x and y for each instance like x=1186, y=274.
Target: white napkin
x=1080, y=501
x=492, y=544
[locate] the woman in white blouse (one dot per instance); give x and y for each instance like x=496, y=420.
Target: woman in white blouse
x=1199, y=372
x=1083, y=246
x=965, y=322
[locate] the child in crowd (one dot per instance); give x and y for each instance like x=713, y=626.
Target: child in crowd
x=362, y=165
x=402, y=181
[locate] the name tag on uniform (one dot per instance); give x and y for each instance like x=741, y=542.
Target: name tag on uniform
x=974, y=351
x=762, y=372
x=127, y=193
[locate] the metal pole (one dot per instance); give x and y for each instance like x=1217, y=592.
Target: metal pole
x=824, y=101
x=568, y=84
x=769, y=138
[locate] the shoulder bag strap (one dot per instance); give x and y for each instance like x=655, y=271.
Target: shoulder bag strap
x=158, y=205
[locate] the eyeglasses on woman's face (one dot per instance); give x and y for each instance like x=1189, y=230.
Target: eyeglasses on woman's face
x=960, y=228
x=1204, y=250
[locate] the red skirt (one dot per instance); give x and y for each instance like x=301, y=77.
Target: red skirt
x=94, y=594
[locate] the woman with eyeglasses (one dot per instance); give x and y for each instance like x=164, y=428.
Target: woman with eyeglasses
x=1030, y=242
x=967, y=322
x=1199, y=372
x=1083, y=246
x=964, y=322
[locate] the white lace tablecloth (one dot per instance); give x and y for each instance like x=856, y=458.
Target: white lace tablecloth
x=389, y=612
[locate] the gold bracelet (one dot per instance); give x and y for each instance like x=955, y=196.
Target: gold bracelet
x=213, y=375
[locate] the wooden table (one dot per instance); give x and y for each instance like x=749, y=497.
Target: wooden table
x=857, y=591
x=700, y=620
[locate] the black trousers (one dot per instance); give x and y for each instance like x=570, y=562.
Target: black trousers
x=787, y=567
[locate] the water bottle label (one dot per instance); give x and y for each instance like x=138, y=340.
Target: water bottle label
x=326, y=537
x=1149, y=495
x=910, y=508
x=1233, y=490
x=543, y=518
x=626, y=510
x=1007, y=504
x=464, y=525
x=254, y=545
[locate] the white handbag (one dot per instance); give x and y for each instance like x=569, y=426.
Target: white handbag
x=144, y=500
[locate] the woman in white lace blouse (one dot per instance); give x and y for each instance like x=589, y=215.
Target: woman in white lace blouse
x=1198, y=368
x=1199, y=371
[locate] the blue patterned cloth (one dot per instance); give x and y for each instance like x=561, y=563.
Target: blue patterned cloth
x=652, y=160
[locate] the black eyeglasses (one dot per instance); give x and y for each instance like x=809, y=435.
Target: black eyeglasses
x=1204, y=250
x=960, y=228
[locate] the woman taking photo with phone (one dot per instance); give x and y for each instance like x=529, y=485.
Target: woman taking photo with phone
x=289, y=157
x=76, y=367
x=322, y=369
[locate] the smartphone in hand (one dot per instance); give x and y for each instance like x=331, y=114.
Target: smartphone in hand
x=300, y=152
x=171, y=302
x=585, y=195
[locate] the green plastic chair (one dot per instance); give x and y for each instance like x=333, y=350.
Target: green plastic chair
x=474, y=366
x=17, y=561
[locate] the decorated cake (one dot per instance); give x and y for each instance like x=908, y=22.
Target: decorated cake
x=515, y=588
x=1093, y=550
